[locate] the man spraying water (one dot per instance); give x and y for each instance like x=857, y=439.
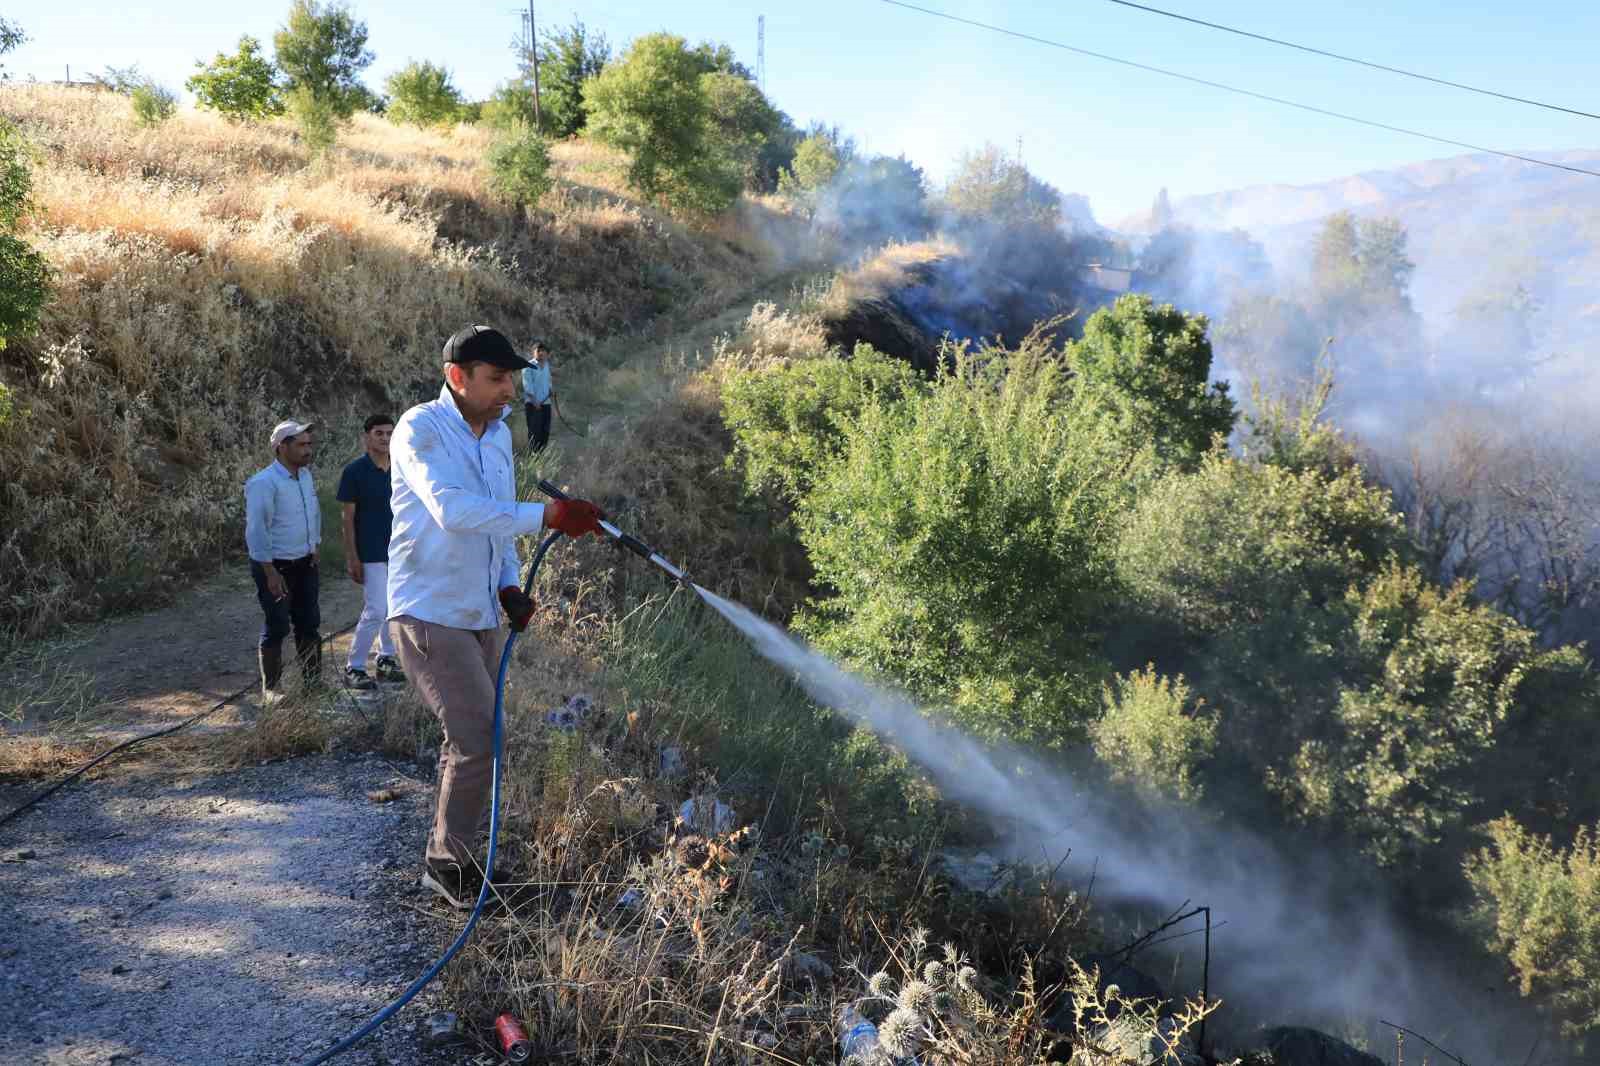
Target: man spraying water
x=453, y=564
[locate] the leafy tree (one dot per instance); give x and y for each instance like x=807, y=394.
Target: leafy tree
x=1538, y=905
x=153, y=104
x=990, y=187
x=12, y=37
x=718, y=58
x=317, y=118
x=322, y=50
x=743, y=124
x=421, y=94
x=569, y=57
x=1360, y=269
x=652, y=105
x=817, y=158
x=1149, y=369
x=510, y=105
x=243, y=86
x=963, y=536
x=121, y=80
x=788, y=420
x=24, y=274
x=519, y=166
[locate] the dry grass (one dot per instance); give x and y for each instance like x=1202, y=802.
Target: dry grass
x=210, y=281
x=887, y=271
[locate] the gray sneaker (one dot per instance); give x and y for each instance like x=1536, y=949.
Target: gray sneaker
x=356, y=678
x=387, y=667
x=451, y=883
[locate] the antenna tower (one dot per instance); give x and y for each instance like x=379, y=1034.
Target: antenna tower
x=761, y=52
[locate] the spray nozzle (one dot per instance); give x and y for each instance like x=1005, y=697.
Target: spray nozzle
x=625, y=540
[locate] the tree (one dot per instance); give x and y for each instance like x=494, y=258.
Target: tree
x=1149, y=369
x=243, y=87
x=652, y=105
x=718, y=58
x=743, y=124
x=990, y=187
x=24, y=274
x=322, y=50
x=12, y=37
x=1360, y=270
x=817, y=158
x=876, y=200
x=569, y=57
x=510, y=105
x=421, y=94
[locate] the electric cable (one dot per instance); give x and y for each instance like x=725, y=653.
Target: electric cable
x=1352, y=59
x=433, y=971
x=134, y=741
x=1192, y=79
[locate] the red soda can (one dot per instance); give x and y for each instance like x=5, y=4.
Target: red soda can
x=514, y=1041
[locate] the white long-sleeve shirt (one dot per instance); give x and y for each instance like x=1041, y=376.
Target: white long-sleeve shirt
x=453, y=547
x=281, y=517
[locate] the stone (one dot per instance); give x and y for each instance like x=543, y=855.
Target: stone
x=1295, y=1045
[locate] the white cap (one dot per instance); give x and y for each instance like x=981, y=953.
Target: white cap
x=284, y=430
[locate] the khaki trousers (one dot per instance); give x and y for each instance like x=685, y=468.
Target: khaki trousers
x=454, y=671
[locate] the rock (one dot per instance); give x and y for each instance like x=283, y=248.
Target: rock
x=1294, y=1045
x=977, y=871
x=708, y=815
x=22, y=855
x=119, y=969
x=803, y=964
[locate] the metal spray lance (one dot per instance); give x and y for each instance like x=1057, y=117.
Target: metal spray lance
x=626, y=540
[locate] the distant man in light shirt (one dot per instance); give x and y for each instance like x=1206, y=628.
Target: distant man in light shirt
x=453, y=564
x=282, y=531
x=536, y=394
x=364, y=503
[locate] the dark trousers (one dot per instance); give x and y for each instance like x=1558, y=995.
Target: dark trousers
x=538, y=425
x=300, y=612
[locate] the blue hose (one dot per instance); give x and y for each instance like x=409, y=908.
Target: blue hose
x=488, y=867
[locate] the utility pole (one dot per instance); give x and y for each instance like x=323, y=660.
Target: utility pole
x=761, y=52
x=533, y=51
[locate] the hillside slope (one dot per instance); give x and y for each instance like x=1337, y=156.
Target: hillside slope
x=212, y=279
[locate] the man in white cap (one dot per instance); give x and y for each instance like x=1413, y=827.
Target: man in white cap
x=282, y=531
x=453, y=566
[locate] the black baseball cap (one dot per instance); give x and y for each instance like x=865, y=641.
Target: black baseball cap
x=483, y=344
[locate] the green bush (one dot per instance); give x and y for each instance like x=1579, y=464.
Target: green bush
x=965, y=539
x=519, y=166
x=1149, y=369
x=24, y=274
x=1539, y=907
x=243, y=87
x=1148, y=734
x=153, y=104
x=1430, y=744
x=817, y=158
x=788, y=420
x=569, y=57
x=421, y=94
x=318, y=120
x=652, y=105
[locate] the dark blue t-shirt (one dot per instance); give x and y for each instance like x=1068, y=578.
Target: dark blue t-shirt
x=366, y=485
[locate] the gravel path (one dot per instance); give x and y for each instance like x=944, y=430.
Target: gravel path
x=240, y=918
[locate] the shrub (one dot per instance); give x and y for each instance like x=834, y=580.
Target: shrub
x=243, y=87
x=570, y=56
x=1459, y=694
x=1149, y=368
x=788, y=420
x=1148, y=734
x=317, y=118
x=989, y=187
x=964, y=537
x=817, y=158
x=652, y=105
x=24, y=274
x=421, y=94
x=322, y=50
x=1539, y=907
x=519, y=166
x=153, y=104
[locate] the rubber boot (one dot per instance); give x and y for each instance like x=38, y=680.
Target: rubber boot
x=271, y=661
x=309, y=654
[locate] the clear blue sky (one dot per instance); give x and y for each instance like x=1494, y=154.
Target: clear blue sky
x=903, y=82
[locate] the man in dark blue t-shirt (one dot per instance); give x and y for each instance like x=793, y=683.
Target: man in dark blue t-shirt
x=364, y=499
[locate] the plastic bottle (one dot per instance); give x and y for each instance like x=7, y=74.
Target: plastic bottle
x=857, y=1035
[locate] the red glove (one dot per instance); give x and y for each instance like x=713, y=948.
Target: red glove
x=573, y=517
x=518, y=605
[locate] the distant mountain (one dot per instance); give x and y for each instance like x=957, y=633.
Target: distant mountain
x=1476, y=222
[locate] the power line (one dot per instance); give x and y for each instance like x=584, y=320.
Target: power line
x=1352, y=59
x=1242, y=92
